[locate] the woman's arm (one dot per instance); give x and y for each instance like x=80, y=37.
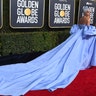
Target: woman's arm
x=84, y=20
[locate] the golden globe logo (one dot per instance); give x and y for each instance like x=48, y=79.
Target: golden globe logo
x=62, y=13
x=27, y=11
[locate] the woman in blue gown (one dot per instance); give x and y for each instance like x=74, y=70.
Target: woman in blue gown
x=56, y=68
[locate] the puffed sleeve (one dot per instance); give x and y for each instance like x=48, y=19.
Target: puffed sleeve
x=89, y=30
x=74, y=29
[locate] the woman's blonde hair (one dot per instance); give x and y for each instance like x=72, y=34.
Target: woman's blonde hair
x=85, y=9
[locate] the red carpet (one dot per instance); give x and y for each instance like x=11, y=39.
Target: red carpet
x=83, y=85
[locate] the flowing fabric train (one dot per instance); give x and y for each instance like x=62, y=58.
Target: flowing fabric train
x=56, y=68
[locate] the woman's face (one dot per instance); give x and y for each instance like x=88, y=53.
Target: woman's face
x=87, y=13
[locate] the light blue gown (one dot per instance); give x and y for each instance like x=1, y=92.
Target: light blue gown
x=56, y=68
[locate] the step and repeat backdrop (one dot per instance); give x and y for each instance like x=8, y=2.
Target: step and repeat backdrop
x=31, y=13
x=91, y=4
x=61, y=13
x=27, y=13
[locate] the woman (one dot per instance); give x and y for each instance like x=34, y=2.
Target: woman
x=85, y=20
x=56, y=68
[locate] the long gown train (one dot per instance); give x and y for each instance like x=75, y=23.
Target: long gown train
x=54, y=69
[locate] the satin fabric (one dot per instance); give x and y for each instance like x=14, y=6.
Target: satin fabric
x=56, y=68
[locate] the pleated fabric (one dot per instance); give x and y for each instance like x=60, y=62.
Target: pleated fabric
x=56, y=68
